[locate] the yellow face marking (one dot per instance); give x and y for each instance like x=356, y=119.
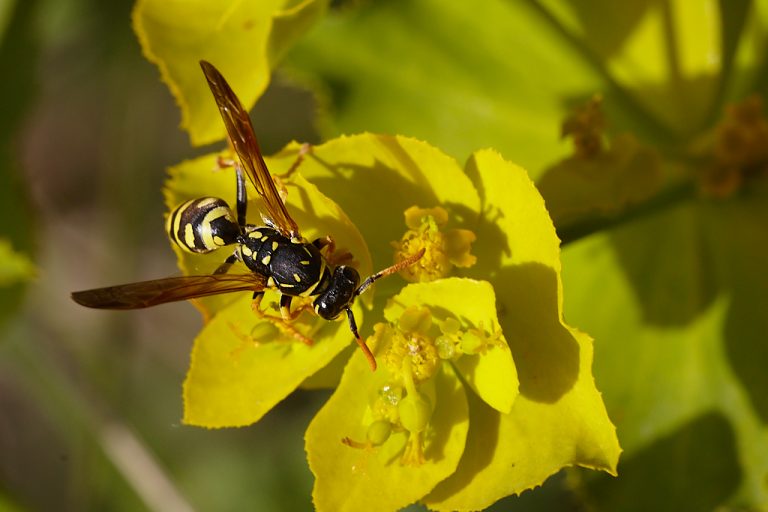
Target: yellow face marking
x=254, y=234
x=246, y=250
x=274, y=245
x=264, y=238
x=296, y=278
x=218, y=241
x=265, y=259
x=304, y=262
x=189, y=236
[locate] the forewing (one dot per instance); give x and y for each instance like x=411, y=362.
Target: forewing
x=243, y=139
x=171, y=289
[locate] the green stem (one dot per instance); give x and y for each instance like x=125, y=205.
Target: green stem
x=667, y=199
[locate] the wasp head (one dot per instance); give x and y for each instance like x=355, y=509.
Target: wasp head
x=339, y=294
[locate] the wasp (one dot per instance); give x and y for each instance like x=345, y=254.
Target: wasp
x=276, y=254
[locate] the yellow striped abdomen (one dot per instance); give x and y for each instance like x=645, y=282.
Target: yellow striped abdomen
x=202, y=225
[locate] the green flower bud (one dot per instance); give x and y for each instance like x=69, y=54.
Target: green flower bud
x=378, y=432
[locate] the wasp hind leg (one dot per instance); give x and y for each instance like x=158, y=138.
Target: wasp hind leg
x=280, y=322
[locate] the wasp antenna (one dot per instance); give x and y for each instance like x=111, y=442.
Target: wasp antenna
x=397, y=267
x=366, y=351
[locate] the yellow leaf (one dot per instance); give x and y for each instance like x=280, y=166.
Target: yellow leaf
x=234, y=35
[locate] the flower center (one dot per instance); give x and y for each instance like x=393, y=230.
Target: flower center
x=443, y=249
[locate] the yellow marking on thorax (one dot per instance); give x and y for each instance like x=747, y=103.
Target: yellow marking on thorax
x=296, y=277
x=274, y=245
x=246, y=250
x=309, y=291
x=265, y=260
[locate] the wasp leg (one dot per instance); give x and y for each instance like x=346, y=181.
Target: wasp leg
x=333, y=257
x=285, y=309
x=304, y=150
x=277, y=321
x=366, y=351
x=224, y=267
x=242, y=198
x=278, y=180
x=397, y=267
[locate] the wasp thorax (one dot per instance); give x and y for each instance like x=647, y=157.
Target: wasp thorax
x=203, y=225
x=339, y=294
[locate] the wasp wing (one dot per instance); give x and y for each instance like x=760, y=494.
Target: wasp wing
x=243, y=139
x=171, y=289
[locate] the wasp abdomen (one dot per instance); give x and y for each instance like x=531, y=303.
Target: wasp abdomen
x=203, y=225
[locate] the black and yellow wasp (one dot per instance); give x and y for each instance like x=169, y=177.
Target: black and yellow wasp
x=276, y=254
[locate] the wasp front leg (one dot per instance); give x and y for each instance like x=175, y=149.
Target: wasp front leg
x=333, y=257
x=280, y=322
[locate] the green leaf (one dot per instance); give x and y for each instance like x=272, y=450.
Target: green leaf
x=242, y=38
x=241, y=367
x=351, y=479
x=682, y=350
x=18, y=52
x=491, y=374
x=559, y=418
x=666, y=56
x=14, y=266
x=462, y=75
x=580, y=188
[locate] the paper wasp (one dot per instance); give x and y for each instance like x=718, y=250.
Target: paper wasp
x=276, y=254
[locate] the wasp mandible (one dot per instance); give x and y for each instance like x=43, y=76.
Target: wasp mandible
x=276, y=254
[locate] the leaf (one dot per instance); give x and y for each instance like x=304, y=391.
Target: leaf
x=14, y=266
x=236, y=36
x=559, y=418
x=18, y=52
x=350, y=479
x=492, y=374
x=240, y=368
x=682, y=353
x=431, y=80
x=577, y=188
x=666, y=56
